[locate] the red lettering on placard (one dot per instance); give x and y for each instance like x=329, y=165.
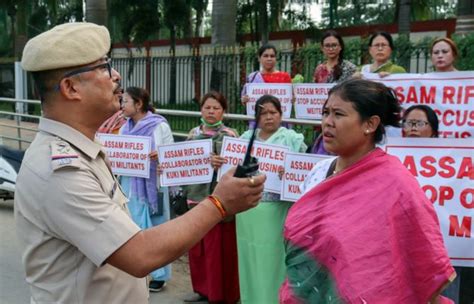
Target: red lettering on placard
x=294, y=189
x=269, y=153
x=456, y=117
x=448, y=94
x=469, y=94
x=301, y=165
x=411, y=95
x=429, y=170
x=427, y=97
x=466, y=169
x=445, y=193
x=313, y=111
x=173, y=153
x=447, y=167
x=423, y=96
x=399, y=93
x=432, y=190
x=234, y=161
x=463, y=230
x=236, y=148
x=409, y=162
x=461, y=93
x=469, y=192
x=444, y=163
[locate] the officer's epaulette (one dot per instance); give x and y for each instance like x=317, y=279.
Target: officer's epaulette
x=63, y=155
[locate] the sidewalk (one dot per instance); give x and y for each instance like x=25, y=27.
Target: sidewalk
x=14, y=290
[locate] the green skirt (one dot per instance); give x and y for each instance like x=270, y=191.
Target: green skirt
x=261, y=252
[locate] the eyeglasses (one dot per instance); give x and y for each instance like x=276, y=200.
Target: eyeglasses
x=107, y=65
x=330, y=46
x=380, y=45
x=410, y=124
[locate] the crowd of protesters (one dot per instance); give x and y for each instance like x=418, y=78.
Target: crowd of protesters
x=348, y=239
x=246, y=258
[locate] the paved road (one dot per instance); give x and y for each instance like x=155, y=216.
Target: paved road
x=13, y=289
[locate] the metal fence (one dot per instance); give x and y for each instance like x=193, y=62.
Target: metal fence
x=178, y=82
x=18, y=130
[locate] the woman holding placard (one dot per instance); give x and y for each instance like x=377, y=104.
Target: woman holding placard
x=213, y=260
x=443, y=55
x=335, y=68
x=259, y=232
x=421, y=121
x=268, y=73
x=358, y=234
x=148, y=205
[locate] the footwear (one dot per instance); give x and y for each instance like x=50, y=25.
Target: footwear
x=156, y=286
x=194, y=298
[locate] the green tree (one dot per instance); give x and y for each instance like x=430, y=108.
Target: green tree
x=224, y=13
x=341, y=13
x=199, y=6
x=96, y=11
x=134, y=21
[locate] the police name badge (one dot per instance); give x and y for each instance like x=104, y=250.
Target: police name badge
x=62, y=155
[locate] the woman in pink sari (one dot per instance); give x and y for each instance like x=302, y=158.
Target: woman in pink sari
x=363, y=231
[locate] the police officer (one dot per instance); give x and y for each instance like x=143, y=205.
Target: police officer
x=79, y=244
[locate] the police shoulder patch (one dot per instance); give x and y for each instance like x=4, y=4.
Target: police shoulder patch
x=63, y=155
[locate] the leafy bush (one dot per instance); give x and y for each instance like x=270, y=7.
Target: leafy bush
x=465, y=45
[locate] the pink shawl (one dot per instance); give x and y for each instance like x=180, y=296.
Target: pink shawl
x=374, y=230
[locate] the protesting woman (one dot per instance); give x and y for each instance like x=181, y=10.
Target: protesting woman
x=259, y=232
x=148, y=205
x=380, y=49
x=213, y=260
x=363, y=230
x=420, y=121
x=335, y=68
x=443, y=55
x=268, y=73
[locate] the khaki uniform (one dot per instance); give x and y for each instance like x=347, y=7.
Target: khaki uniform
x=71, y=215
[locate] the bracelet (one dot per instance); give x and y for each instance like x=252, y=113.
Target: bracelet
x=218, y=205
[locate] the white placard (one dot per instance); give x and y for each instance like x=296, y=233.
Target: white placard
x=297, y=167
x=445, y=170
x=128, y=154
x=186, y=163
x=449, y=94
x=310, y=98
x=282, y=91
x=270, y=159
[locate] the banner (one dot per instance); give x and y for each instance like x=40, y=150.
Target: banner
x=445, y=170
x=128, y=155
x=186, y=163
x=449, y=94
x=310, y=98
x=270, y=159
x=297, y=167
x=282, y=91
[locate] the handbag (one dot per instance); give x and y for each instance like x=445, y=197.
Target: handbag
x=179, y=203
